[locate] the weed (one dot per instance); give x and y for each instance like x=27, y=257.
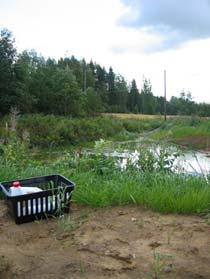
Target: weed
x=82, y=267
x=65, y=224
x=157, y=268
x=170, y=234
x=84, y=216
x=159, y=263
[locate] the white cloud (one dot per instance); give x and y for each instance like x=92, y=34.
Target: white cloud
x=90, y=29
x=53, y=27
x=135, y=41
x=179, y=21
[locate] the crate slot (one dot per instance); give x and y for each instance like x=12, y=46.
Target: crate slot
x=29, y=207
x=18, y=209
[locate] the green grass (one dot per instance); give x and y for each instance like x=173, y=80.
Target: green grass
x=166, y=193
x=191, y=132
x=161, y=191
x=50, y=131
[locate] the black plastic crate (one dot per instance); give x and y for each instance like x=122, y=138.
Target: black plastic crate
x=54, y=198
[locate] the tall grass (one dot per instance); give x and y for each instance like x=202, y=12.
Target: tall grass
x=101, y=183
x=161, y=191
x=158, y=191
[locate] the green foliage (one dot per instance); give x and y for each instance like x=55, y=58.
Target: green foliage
x=134, y=98
x=75, y=88
x=147, y=161
x=15, y=152
x=8, y=94
x=158, y=266
x=98, y=164
x=159, y=191
x=65, y=224
x=141, y=125
x=101, y=182
x=192, y=132
x=148, y=102
x=92, y=102
x=182, y=105
x=51, y=130
x=24, y=69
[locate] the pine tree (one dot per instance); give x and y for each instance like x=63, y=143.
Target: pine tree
x=111, y=88
x=121, y=94
x=101, y=86
x=134, y=98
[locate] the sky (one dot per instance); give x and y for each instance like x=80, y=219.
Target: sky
x=138, y=38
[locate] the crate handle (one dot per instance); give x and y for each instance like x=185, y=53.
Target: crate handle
x=4, y=190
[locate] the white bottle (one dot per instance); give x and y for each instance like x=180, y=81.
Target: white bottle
x=17, y=190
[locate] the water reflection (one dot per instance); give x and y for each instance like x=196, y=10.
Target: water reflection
x=194, y=162
x=190, y=162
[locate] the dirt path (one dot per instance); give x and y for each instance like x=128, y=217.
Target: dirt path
x=120, y=242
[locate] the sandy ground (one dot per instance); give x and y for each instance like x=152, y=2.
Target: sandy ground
x=118, y=242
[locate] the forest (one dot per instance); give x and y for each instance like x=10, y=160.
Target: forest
x=31, y=83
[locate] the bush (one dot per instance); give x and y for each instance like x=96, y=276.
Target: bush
x=51, y=131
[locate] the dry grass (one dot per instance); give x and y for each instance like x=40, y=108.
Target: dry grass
x=141, y=116
x=131, y=115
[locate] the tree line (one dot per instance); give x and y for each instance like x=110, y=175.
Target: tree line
x=31, y=83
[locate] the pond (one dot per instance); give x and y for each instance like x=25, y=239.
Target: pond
x=194, y=162
x=191, y=162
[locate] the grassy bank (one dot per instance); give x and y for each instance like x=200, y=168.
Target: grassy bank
x=52, y=131
x=45, y=131
x=100, y=183
x=192, y=132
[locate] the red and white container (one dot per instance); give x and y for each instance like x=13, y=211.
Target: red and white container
x=17, y=190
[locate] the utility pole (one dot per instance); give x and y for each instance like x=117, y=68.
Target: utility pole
x=84, y=76
x=165, y=95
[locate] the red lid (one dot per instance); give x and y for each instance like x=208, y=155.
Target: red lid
x=16, y=184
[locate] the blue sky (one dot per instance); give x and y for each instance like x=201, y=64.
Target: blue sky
x=137, y=37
